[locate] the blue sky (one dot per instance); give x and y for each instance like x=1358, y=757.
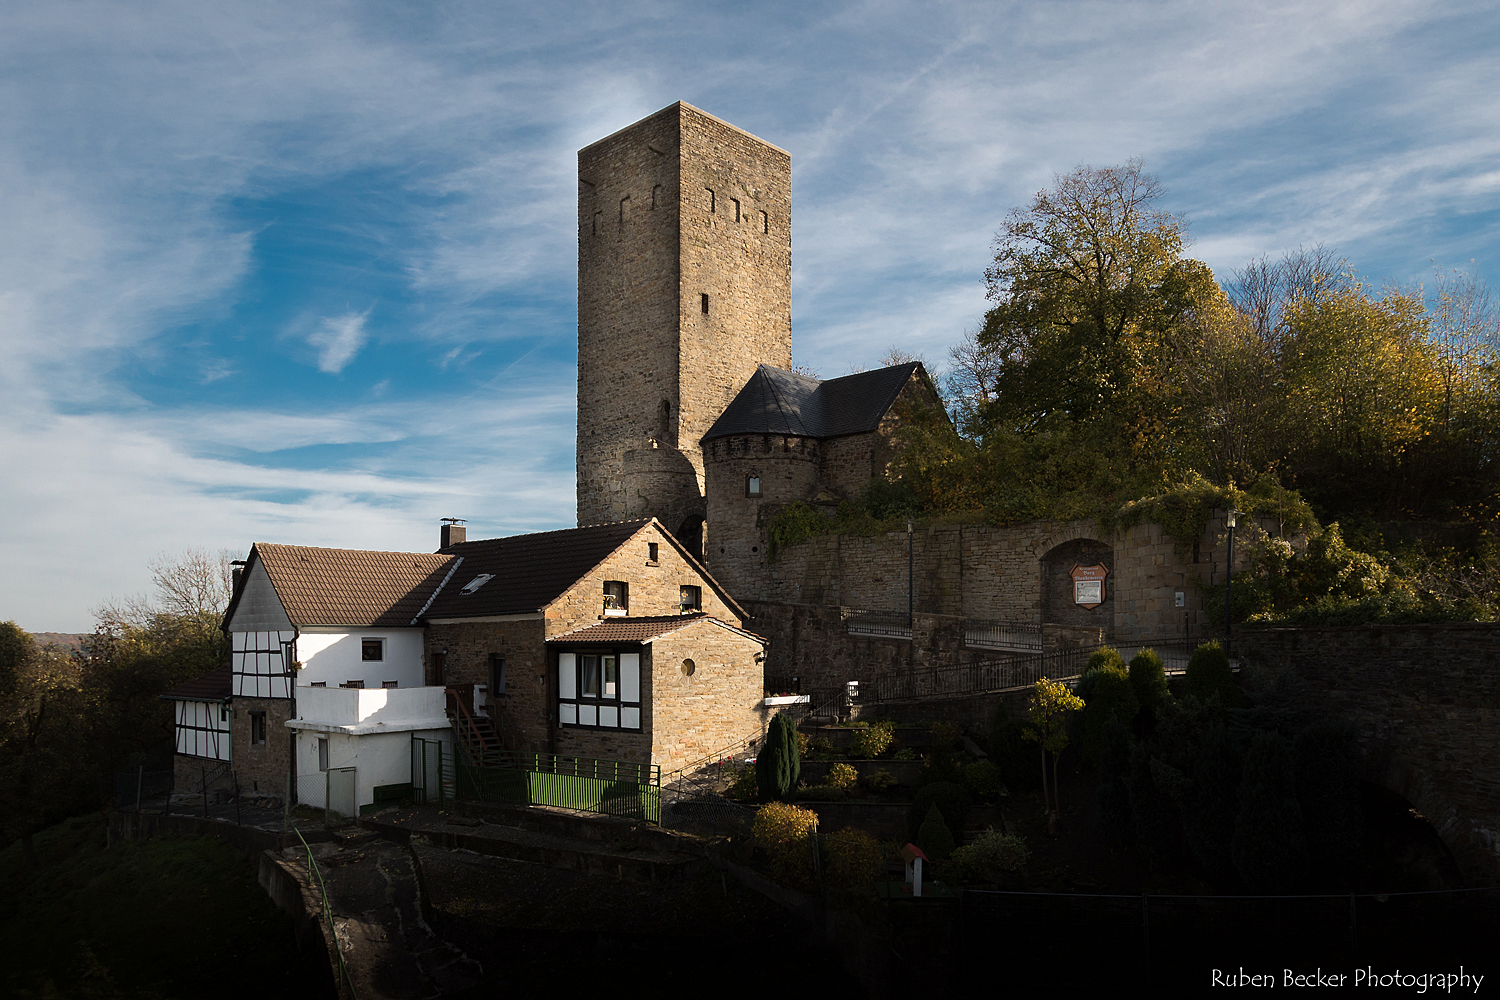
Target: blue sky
x=305, y=272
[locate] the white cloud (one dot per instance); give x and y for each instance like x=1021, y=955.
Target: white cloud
x=338, y=339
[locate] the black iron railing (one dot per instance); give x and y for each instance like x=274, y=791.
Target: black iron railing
x=877, y=623
x=995, y=633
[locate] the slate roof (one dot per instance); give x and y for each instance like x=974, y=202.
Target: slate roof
x=529, y=571
x=641, y=630
x=212, y=686
x=775, y=401
x=352, y=586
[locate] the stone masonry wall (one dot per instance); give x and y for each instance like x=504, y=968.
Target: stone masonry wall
x=1426, y=701
x=262, y=767
x=788, y=470
x=526, y=704
x=654, y=369
x=714, y=708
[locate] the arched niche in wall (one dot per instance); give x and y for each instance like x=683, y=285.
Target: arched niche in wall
x=1078, y=584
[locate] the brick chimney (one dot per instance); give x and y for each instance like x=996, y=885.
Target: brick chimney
x=452, y=533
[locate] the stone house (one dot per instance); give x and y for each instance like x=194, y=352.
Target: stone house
x=608, y=641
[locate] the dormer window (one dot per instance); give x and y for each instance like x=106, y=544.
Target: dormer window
x=477, y=582
x=616, y=598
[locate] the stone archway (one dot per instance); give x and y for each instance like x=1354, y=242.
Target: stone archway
x=1060, y=591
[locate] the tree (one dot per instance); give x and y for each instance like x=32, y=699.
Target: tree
x=1048, y=710
x=778, y=765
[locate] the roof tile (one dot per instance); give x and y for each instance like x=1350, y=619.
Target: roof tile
x=641, y=630
x=352, y=586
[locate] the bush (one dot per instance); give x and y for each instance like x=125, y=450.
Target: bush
x=852, y=857
x=952, y=800
x=871, y=743
x=905, y=753
x=880, y=781
x=1112, y=696
x=1106, y=656
x=1011, y=753
x=743, y=788
x=981, y=779
x=822, y=793
x=1149, y=678
x=989, y=857
x=945, y=735
x=1209, y=674
x=778, y=766
x=842, y=776
x=933, y=836
x=784, y=835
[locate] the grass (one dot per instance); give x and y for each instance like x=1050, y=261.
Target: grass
x=164, y=918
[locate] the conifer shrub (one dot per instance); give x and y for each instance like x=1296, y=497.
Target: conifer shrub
x=952, y=800
x=933, y=836
x=852, y=857
x=1148, y=677
x=989, y=857
x=778, y=765
x=1106, y=656
x=876, y=740
x=1269, y=850
x=842, y=775
x=1209, y=674
x=1112, y=696
x=784, y=835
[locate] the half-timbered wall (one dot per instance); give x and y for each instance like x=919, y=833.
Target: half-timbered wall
x=203, y=729
x=260, y=663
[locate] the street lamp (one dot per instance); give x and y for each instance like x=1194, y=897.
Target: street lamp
x=1228, y=575
x=910, y=622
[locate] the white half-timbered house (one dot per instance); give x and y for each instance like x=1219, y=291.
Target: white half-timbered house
x=200, y=710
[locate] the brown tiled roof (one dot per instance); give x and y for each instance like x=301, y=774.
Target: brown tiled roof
x=641, y=630
x=530, y=571
x=352, y=586
x=212, y=686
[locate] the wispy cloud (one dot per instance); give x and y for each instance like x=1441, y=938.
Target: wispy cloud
x=338, y=339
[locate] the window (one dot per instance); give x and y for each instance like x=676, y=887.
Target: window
x=599, y=689
x=710, y=199
x=439, y=661
x=318, y=684
x=258, y=727
x=736, y=209
x=690, y=598
x=765, y=223
x=752, y=486
x=497, y=674
x=651, y=552
x=357, y=685
x=322, y=753
x=616, y=598
x=372, y=650
x=476, y=583
x=704, y=301
x=389, y=684
x=624, y=203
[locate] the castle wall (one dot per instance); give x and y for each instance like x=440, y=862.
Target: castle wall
x=654, y=369
x=788, y=470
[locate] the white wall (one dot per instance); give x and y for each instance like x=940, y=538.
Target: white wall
x=333, y=657
x=347, y=707
x=378, y=759
x=202, y=729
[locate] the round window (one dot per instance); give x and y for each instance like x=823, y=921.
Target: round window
x=688, y=666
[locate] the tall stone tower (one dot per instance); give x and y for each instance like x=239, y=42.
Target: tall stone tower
x=684, y=288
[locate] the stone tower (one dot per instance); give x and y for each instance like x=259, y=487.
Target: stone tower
x=684, y=288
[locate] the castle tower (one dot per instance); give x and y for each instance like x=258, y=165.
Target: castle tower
x=684, y=288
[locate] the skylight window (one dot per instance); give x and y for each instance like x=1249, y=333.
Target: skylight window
x=477, y=582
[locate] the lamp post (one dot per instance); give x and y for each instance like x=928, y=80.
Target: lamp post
x=1228, y=576
x=910, y=622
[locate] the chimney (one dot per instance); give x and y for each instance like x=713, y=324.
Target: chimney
x=238, y=571
x=452, y=533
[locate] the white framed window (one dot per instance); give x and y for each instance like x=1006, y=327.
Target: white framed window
x=616, y=598
x=599, y=689
x=372, y=650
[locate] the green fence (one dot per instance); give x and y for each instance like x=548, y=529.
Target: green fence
x=441, y=772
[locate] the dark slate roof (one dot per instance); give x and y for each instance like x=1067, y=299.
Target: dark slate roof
x=212, y=686
x=529, y=571
x=352, y=586
x=641, y=630
x=782, y=402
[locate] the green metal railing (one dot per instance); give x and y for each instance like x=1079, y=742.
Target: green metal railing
x=343, y=969
x=442, y=772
